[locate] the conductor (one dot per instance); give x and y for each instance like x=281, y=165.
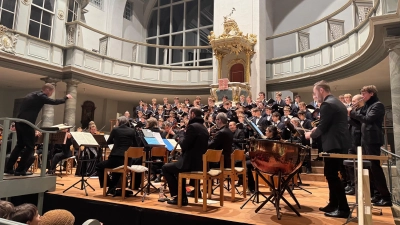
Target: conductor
x=334, y=135
x=30, y=108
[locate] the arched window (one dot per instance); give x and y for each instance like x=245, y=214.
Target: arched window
x=180, y=23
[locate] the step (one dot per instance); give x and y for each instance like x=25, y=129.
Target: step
x=312, y=177
x=317, y=170
x=317, y=163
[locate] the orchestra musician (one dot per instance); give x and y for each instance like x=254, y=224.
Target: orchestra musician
x=63, y=152
x=123, y=137
x=193, y=143
x=371, y=117
x=238, y=136
x=335, y=139
x=304, y=121
x=29, y=110
x=223, y=139
x=355, y=134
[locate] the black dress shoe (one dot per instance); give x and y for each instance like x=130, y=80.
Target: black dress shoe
x=328, y=208
x=347, y=188
x=191, y=194
x=375, y=199
x=111, y=191
x=174, y=201
x=157, y=180
x=383, y=202
x=351, y=191
x=338, y=214
x=22, y=173
x=9, y=171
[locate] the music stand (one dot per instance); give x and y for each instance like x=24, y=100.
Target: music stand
x=149, y=142
x=101, y=140
x=257, y=192
x=84, y=140
x=56, y=139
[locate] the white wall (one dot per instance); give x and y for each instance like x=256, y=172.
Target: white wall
x=292, y=14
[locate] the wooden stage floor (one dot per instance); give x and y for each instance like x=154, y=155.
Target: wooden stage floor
x=231, y=211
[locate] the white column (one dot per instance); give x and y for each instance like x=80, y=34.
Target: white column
x=394, y=63
x=70, y=104
x=48, y=110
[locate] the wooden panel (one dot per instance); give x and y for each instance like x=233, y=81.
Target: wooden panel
x=57, y=56
x=136, y=72
x=107, y=67
x=121, y=69
x=326, y=56
x=165, y=75
x=150, y=73
x=363, y=35
x=282, y=67
x=206, y=75
x=313, y=60
x=194, y=76
x=179, y=75
x=38, y=50
x=296, y=64
x=21, y=45
x=92, y=62
x=340, y=50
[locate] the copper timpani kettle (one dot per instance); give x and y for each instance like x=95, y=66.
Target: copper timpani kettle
x=274, y=157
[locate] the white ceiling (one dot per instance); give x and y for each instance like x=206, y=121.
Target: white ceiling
x=379, y=75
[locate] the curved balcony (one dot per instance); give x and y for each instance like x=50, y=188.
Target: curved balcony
x=343, y=54
x=116, y=62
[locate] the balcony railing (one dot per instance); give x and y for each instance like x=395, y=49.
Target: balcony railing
x=31, y=184
x=327, y=41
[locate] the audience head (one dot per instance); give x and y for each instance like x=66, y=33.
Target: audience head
x=6, y=209
x=26, y=213
x=56, y=217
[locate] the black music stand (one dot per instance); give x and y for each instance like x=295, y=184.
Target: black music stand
x=256, y=195
x=85, y=140
x=101, y=140
x=56, y=139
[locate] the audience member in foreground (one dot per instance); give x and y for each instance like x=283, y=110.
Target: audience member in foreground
x=26, y=213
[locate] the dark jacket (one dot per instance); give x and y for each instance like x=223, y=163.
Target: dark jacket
x=333, y=126
x=238, y=139
x=371, y=117
x=307, y=124
x=223, y=141
x=355, y=131
x=122, y=137
x=193, y=144
x=33, y=103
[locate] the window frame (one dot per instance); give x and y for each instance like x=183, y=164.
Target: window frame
x=41, y=18
x=196, y=52
x=14, y=13
x=130, y=10
x=74, y=11
x=99, y=6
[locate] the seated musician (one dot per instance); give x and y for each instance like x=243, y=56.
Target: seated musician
x=223, y=139
x=271, y=133
x=61, y=151
x=304, y=122
x=194, y=145
x=93, y=129
x=302, y=140
x=238, y=136
x=122, y=137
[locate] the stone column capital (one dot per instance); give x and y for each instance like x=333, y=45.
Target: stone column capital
x=50, y=80
x=392, y=43
x=72, y=82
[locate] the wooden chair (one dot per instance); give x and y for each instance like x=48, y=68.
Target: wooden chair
x=70, y=161
x=160, y=152
x=132, y=152
x=234, y=172
x=207, y=176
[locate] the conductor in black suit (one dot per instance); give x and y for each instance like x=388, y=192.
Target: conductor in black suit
x=223, y=139
x=30, y=108
x=123, y=137
x=194, y=144
x=335, y=139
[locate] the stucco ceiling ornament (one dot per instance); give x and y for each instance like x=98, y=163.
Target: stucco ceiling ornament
x=26, y=2
x=232, y=40
x=8, y=40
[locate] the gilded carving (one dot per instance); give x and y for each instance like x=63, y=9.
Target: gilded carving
x=8, y=40
x=232, y=41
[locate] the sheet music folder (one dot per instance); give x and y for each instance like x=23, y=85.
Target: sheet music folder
x=56, y=127
x=84, y=139
x=100, y=139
